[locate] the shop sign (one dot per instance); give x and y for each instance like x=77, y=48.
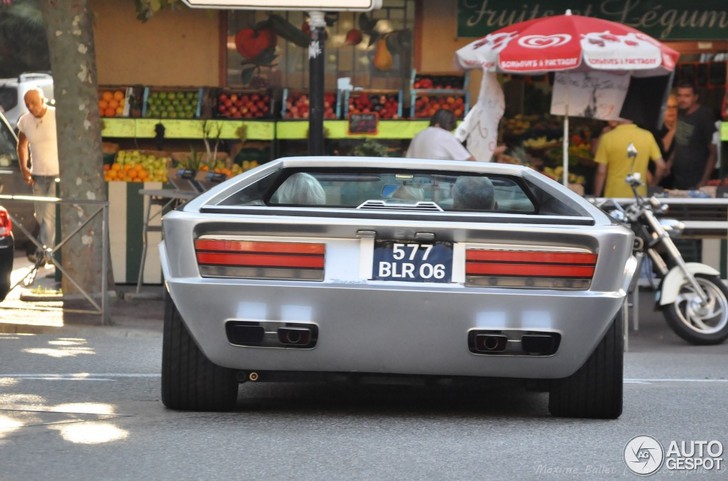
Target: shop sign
x=316, y=5
x=662, y=19
x=363, y=123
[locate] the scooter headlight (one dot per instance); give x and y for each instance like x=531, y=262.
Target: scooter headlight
x=617, y=215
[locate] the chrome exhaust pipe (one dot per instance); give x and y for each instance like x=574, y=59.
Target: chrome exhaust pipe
x=490, y=343
x=295, y=336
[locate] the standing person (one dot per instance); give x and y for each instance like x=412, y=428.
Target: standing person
x=666, y=135
x=614, y=164
x=37, y=143
x=437, y=140
x=694, y=155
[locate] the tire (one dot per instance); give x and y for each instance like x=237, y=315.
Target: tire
x=190, y=381
x=595, y=390
x=700, y=325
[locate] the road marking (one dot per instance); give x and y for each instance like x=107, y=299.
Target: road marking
x=666, y=380
x=81, y=376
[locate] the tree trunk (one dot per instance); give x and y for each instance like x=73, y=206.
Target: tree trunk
x=69, y=26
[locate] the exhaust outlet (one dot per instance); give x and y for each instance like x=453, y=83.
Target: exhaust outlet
x=513, y=342
x=488, y=342
x=295, y=336
x=543, y=344
x=271, y=334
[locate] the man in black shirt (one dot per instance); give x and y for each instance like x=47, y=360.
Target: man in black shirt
x=694, y=155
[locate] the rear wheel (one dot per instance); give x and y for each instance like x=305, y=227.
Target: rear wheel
x=595, y=390
x=697, y=322
x=190, y=381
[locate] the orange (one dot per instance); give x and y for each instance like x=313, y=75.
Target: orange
x=120, y=111
x=113, y=104
x=106, y=95
x=103, y=104
x=109, y=112
x=119, y=95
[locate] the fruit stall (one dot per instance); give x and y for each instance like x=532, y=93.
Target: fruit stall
x=209, y=130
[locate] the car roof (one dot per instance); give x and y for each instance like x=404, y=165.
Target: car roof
x=397, y=162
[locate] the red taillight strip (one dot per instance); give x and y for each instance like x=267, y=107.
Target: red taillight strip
x=220, y=245
x=234, y=253
x=483, y=262
x=260, y=260
x=542, y=257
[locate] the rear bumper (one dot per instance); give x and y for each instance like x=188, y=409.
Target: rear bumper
x=393, y=328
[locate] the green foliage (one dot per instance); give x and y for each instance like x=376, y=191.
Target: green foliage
x=369, y=148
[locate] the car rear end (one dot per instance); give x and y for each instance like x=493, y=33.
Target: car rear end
x=396, y=287
x=7, y=252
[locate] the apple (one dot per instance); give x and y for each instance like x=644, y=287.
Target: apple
x=297, y=105
x=242, y=102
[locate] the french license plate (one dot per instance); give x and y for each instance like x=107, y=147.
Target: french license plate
x=412, y=262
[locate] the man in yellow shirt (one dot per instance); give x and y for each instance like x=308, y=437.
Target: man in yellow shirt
x=614, y=164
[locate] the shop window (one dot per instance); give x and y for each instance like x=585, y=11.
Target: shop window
x=374, y=49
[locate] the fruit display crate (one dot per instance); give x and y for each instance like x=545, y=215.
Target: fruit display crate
x=138, y=165
x=430, y=92
x=120, y=101
x=172, y=102
x=386, y=103
x=295, y=104
x=239, y=104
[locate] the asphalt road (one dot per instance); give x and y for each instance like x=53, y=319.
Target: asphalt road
x=82, y=403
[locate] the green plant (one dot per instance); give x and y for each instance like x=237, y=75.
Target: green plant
x=195, y=161
x=369, y=148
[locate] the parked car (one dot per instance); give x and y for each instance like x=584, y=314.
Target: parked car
x=12, y=183
x=12, y=92
x=7, y=253
x=335, y=268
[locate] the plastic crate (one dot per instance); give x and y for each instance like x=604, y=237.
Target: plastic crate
x=120, y=101
x=173, y=103
x=240, y=104
x=295, y=105
x=430, y=92
x=386, y=103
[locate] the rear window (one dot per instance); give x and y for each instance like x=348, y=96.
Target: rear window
x=371, y=189
x=8, y=97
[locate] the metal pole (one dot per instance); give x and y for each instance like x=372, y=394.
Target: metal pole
x=105, y=315
x=317, y=63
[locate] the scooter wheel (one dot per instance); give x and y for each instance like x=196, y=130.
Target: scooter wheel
x=700, y=323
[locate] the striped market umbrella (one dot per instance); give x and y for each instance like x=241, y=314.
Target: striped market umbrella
x=569, y=45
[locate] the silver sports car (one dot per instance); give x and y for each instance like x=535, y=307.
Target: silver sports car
x=349, y=267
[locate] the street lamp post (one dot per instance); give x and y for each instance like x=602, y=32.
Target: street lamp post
x=317, y=63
